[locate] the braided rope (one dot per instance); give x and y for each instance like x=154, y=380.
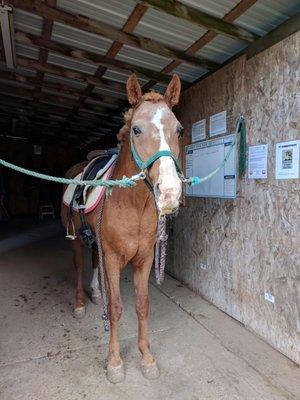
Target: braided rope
x=105, y=316
x=108, y=183
x=161, y=250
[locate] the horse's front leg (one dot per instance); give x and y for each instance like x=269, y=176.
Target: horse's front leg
x=115, y=367
x=142, y=267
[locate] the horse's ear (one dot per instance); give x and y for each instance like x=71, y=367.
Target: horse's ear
x=134, y=91
x=172, y=93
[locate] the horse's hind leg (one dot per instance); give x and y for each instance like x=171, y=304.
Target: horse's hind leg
x=79, y=309
x=115, y=367
x=96, y=295
x=142, y=268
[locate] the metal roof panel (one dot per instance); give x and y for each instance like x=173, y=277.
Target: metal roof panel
x=169, y=30
x=112, y=12
x=27, y=22
x=80, y=39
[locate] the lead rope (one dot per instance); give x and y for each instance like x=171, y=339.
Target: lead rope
x=161, y=250
x=105, y=316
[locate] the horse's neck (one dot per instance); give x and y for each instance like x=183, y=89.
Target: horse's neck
x=126, y=166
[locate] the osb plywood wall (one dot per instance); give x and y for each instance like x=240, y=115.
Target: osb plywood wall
x=249, y=246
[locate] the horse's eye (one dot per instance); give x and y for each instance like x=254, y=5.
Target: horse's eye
x=136, y=130
x=179, y=130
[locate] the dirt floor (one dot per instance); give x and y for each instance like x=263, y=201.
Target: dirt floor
x=47, y=354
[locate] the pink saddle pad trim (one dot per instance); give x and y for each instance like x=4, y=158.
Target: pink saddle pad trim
x=100, y=194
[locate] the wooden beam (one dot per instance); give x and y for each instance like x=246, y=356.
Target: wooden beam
x=129, y=26
x=43, y=53
x=58, y=101
x=62, y=89
x=233, y=14
x=99, y=28
x=67, y=73
x=102, y=61
x=36, y=115
x=284, y=30
x=201, y=18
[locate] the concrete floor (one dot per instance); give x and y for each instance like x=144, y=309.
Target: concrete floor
x=47, y=354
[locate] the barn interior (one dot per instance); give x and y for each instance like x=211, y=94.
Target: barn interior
x=63, y=71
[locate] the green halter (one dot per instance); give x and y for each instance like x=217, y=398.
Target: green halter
x=144, y=165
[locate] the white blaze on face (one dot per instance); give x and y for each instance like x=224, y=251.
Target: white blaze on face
x=169, y=182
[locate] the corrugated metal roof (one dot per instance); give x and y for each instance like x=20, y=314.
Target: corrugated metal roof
x=170, y=31
x=121, y=76
x=80, y=39
x=27, y=22
x=265, y=15
x=166, y=29
x=65, y=81
x=221, y=48
x=142, y=58
x=112, y=12
x=19, y=70
x=16, y=84
x=29, y=51
x=189, y=73
x=87, y=68
x=108, y=92
x=217, y=8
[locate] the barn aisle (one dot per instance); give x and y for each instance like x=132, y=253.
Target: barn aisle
x=47, y=354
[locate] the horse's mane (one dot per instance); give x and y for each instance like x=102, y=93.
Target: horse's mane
x=153, y=97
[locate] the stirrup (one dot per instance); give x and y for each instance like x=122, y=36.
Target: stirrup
x=68, y=235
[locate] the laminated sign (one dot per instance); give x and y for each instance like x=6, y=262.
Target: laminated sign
x=287, y=160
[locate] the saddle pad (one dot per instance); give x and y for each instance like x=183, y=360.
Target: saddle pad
x=93, y=195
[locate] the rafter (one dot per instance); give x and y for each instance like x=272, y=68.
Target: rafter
x=287, y=28
x=68, y=73
x=61, y=89
x=59, y=106
x=100, y=28
x=43, y=53
x=232, y=15
x=129, y=26
x=201, y=18
x=102, y=61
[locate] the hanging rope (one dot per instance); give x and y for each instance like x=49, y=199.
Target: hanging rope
x=105, y=316
x=161, y=249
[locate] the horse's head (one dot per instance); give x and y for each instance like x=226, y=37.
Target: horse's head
x=154, y=128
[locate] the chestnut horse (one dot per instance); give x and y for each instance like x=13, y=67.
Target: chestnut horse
x=129, y=221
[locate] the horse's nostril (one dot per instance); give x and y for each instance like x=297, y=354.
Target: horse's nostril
x=157, y=189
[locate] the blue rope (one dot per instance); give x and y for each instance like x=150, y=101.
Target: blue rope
x=240, y=127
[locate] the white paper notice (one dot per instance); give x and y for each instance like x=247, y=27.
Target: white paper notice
x=287, y=160
x=199, y=130
x=217, y=124
x=258, y=161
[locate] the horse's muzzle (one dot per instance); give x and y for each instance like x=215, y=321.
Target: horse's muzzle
x=167, y=200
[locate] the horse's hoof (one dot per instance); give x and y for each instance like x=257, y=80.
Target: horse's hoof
x=97, y=300
x=115, y=374
x=150, y=371
x=79, y=312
